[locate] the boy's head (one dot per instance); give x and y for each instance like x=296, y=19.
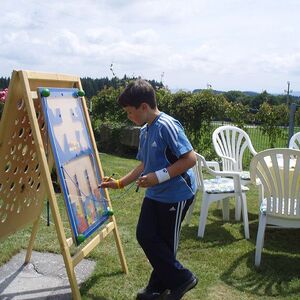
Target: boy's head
x=138, y=92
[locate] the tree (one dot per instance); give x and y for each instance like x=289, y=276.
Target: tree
x=238, y=113
x=237, y=96
x=4, y=82
x=270, y=118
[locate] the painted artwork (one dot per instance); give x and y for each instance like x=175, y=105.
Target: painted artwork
x=75, y=160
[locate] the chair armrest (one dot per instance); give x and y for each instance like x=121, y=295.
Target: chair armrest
x=252, y=150
x=228, y=158
x=213, y=164
x=222, y=173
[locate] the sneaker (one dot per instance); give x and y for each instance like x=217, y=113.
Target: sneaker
x=178, y=293
x=150, y=294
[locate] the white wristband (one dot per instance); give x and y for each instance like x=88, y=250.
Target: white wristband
x=162, y=175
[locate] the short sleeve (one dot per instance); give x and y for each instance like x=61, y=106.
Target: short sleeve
x=174, y=136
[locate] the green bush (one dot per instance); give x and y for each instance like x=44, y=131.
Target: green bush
x=105, y=107
x=195, y=111
x=108, y=120
x=270, y=119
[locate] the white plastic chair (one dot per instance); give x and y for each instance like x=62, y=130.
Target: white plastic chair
x=230, y=143
x=212, y=164
x=279, y=172
x=217, y=189
x=295, y=141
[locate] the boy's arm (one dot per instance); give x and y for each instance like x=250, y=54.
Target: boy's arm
x=185, y=162
x=133, y=175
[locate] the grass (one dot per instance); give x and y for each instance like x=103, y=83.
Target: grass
x=223, y=260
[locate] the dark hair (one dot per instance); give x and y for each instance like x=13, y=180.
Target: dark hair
x=138, y=92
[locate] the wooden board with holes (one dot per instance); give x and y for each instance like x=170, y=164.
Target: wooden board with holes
x=22, y=193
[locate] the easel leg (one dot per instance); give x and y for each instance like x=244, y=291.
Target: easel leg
x=48, y=213
x=31, y=241
x=71, y=274
x=119, y=246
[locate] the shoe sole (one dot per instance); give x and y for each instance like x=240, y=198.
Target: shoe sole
x=188, y=288
x=158, y=296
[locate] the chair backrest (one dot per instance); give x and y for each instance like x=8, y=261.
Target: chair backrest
x=295, y=141
x=230, y=143
x=279, y=172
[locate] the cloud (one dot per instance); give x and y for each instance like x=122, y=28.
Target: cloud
x=232, y=43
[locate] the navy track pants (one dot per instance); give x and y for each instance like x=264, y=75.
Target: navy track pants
x=158, y=232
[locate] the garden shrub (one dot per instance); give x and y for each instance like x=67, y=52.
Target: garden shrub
x=271, y=118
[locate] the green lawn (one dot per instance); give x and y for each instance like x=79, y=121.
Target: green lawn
x=223, y=260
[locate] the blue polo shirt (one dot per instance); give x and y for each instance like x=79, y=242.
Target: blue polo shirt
x=161, y=144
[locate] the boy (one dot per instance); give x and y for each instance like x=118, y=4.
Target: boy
x=166, y=158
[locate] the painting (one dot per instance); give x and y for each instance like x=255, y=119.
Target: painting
x=74, y=160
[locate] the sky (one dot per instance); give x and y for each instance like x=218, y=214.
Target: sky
x=246, y=45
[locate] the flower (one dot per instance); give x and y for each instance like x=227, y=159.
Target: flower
x=3, y=95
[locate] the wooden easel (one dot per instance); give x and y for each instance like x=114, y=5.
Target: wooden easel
x=25, y=166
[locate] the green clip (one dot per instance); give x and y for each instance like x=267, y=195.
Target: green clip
x=81, y=93
x=109, y=212
x=45, y=93
x=80, y=238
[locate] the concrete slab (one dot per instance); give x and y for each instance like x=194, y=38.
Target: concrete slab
x=45, y=277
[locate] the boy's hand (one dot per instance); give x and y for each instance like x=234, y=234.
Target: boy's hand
x=110, y=182
x=147, y=180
